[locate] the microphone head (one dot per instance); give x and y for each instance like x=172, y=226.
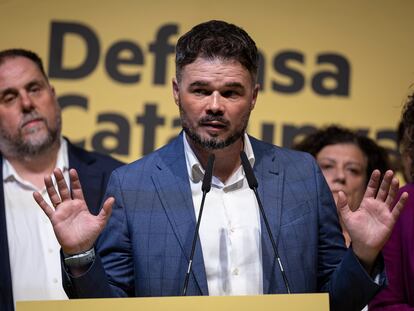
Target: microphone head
x=208, y=173
x=248, y=171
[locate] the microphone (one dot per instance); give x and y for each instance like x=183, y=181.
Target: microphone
x=253, y=184
x=205, y=187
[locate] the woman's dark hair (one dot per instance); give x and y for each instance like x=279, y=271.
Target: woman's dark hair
x=377, y=156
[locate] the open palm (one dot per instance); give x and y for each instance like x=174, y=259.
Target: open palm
x=371, y=224
x=76, y=229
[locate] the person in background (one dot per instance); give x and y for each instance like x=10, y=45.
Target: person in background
x=399, y=250
x=347, y=160
x=405, y=159
x=31, y=146
x=145, y=244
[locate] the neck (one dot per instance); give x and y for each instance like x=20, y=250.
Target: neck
x=227, y=159
x=35, y=168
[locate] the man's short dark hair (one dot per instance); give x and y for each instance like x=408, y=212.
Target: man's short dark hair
x=217, y=39
x=377, y=156
x=12, y=53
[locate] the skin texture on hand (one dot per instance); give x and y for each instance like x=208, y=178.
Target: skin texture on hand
x=76, y=229
x=371, y=224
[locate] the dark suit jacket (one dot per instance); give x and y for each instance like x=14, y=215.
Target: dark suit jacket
x=145, y=247
x=93, y=170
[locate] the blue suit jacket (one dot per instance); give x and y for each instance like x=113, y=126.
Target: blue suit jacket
x=93, y=170
x=145, y=247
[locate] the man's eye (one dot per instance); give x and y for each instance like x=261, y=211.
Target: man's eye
x=230, y=93
x=201, y=92
x=34, y=89
x=9, y=98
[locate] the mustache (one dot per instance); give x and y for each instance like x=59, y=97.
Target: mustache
x=31, y=116
x=211, y=118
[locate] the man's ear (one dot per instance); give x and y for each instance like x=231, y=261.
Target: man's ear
x=176, y=91
x=254, y=97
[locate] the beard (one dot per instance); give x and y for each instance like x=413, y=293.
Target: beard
x=213, y=143
x=17, y=146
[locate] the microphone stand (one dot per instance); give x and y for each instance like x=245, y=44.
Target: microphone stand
x=205, y=188
x=253, y=184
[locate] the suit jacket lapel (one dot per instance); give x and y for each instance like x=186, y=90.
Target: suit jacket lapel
x=172, y=178
x=270, y=178
x=6, y=293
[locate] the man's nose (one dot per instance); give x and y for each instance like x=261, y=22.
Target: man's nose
x=215, y=104
x=26, y=101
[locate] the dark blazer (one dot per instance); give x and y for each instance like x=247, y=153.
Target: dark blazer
x=94, y=170
x=145, y=246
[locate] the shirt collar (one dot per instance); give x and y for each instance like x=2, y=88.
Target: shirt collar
x=62, y=162
x=194, y=168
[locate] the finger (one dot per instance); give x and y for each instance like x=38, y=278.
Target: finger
x=76, y=186
x=385, y=186
x=392, y=193
x=61, y=184
x=342, y=205
x=396, y=211
x=51, y=191
x=373, y=184
x=106, y=210
x=43, y=205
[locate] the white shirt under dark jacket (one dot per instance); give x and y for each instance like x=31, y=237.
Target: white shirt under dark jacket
x=230, y=231
x=33, y=248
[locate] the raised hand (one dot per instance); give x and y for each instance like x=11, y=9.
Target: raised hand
x=371, y=224
x=76, y=229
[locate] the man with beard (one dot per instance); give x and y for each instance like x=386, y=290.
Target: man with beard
x=31, y=147
x=145, y=245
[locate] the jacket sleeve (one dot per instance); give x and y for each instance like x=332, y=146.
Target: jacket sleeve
x=339, y=272
x=111, y=274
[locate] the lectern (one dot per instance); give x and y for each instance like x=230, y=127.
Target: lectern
x=293, y=302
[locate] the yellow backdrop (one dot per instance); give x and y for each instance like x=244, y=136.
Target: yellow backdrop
x=112, y=62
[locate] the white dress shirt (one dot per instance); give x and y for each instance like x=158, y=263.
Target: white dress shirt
x=230, y=231
x=33, y=248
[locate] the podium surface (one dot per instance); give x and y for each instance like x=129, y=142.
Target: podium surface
x=293, y=302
